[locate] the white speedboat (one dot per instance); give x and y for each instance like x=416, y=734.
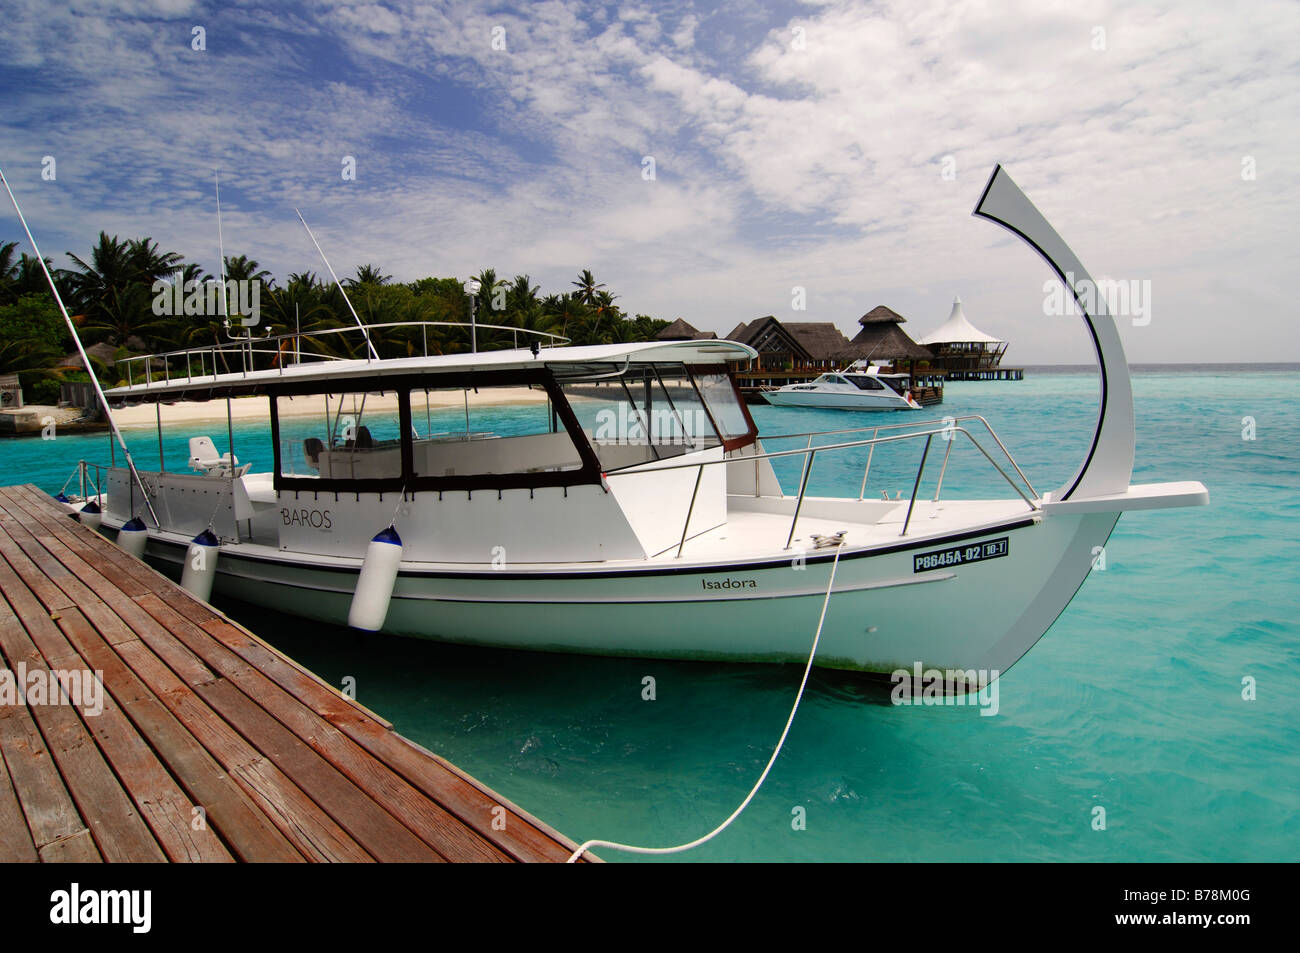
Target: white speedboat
x=618, y=500
x=859, y=387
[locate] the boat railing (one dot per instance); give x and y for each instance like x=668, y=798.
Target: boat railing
x=947, y=432
x=81, y=473
x=241, y=355
x=949, y=421
x=97, y=481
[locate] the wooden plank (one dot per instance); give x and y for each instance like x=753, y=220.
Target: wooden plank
x=119, y=831
x=76, y=848
x=16, y=844
x=222, y=798
x=131, y=575
x=165, y=807
x=230, y=810
x=34, y=559
x=522, y=837
x=110, y=563
x=46, y=590
x=423, y=817
x=330, y=778
x=381, y=834
x=303, y=822
x=45, y=801
x=307, y=826
x=16, y=571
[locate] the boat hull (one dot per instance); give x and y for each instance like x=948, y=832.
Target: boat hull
x=884, y=614
x=832, y=401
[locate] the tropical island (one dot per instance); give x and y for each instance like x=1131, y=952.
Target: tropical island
x=120, y=296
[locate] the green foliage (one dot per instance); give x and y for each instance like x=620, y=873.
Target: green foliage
x=110, y=293
x=39, y=389
x=35, y=317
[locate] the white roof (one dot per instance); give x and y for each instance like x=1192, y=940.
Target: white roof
x=957, y=330
x=688, y=352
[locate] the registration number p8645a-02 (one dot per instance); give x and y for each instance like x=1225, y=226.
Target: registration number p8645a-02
x=960, y=555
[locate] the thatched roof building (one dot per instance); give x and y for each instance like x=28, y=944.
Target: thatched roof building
x=679, y=330
x=776, y=346
x=823, y=341
x=881, y=338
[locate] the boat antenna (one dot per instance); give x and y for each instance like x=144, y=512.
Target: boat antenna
x=85, y=359
x=221, y=256
x=373, y=353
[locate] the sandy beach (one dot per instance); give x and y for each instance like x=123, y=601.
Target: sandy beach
x=258, y=408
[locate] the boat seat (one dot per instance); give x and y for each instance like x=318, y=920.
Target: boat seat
x=205, y=459
x=311, y=449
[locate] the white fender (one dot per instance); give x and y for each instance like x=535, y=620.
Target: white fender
x=133, y=536
x=376, y=581
x=1109, y=464
x=201, y=565
x=91, y=516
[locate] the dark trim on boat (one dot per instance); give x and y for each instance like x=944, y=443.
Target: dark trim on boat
x=589, y=473
x=728, y=443
x=809, y=559
x=1096, y=343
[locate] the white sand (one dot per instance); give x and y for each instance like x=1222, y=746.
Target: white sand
x=258, y=408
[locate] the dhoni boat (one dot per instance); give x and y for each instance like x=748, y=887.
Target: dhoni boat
x=628, y=507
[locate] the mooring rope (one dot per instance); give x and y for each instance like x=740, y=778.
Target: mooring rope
x=583, y=848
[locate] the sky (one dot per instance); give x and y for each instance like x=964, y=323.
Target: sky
x=714, y=162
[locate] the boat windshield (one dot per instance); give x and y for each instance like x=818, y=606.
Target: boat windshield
x=864, y=382
x=644, y=412
x=724, y=404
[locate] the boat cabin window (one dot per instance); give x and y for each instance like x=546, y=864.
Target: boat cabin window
x=724, y=405
x=348, y=436
x=475, y=431
x=639, y=413
x=486, y=429
x=866, y=383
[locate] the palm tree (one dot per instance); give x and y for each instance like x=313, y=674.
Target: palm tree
x=369, y=275
x=488, y=282
x=8, y=272
x=149, y=263
x=31, y=277
x=563, y=309
x=113, y=290
x=605, y=308
x=243, y=268
x=587, y=287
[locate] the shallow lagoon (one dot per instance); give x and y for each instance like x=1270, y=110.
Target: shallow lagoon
x=1131, y=702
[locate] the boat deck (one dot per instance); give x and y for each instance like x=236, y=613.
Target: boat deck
x=204, y=743
x=757, y=533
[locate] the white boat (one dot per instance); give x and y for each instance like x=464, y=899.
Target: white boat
x=623, y=504
x=858, y=387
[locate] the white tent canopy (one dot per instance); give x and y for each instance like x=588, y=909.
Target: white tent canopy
x=957, y=330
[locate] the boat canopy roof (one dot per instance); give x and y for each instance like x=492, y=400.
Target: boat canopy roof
x=158, y=379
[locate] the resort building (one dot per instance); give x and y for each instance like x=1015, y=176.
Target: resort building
x=965, y=353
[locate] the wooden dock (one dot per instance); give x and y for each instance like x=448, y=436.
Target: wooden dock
x=208, y=745
x=987, y=374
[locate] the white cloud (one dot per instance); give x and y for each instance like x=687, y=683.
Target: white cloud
x=776, y=165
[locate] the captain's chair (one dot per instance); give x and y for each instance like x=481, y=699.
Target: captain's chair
x=311, y=449
x=204, y=459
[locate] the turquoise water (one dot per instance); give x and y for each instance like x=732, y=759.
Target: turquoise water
x=1131, y=702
